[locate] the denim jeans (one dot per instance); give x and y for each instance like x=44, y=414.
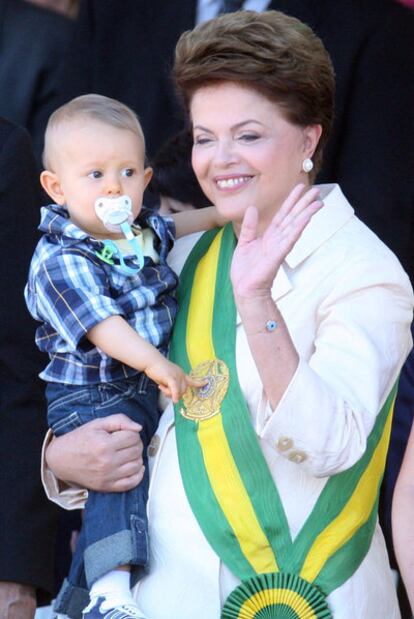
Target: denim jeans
x=114, y=530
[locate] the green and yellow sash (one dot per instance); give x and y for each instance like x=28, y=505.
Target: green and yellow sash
x=226, y=478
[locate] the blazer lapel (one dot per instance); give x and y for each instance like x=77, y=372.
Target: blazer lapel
x=324, y=224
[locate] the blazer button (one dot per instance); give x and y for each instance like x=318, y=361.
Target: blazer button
x=154, y=446
x=284, y=443
x=297, y=456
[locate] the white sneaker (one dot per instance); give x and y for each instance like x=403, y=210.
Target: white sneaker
x=96, y=610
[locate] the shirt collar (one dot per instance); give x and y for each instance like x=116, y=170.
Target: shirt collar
x=207, y=9
x=54, y=220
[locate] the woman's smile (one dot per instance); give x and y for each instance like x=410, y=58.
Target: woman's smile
x=231, y=183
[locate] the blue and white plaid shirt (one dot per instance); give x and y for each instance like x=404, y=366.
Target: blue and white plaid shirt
x=70, y=290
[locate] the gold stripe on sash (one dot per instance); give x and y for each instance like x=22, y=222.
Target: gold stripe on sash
x=232, y=496
x=294, y=600
x=354, y=514
x=221, y=469
x=199, y=338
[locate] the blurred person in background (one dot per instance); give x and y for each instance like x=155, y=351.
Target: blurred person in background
x=64, y=7
x=173, y=179
x=27, y=518
x=32, y=41
x=33, y=36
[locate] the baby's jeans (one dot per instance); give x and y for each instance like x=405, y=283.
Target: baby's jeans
x=115, y=528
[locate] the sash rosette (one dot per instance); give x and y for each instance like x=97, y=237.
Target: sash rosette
x=226, y=478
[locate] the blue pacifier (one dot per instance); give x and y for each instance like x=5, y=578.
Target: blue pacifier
x=116, y=215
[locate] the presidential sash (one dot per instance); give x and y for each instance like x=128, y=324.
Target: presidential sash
x=226, y=478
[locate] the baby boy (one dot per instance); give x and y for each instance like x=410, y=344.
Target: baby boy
x=101, y=287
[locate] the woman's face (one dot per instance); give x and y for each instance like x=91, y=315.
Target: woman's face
x=245, y=152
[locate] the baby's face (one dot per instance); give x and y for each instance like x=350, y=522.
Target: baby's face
x=92, y=159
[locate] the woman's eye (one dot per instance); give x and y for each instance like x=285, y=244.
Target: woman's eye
x=248, y=137
x=127, y=172
x=95, y=174
x=199, y=141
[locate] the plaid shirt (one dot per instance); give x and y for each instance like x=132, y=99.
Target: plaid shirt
x=70, y=290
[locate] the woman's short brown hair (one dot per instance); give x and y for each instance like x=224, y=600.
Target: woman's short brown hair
x=273, y=53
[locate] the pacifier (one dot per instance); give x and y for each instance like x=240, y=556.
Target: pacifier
x=114, y=211
x=116, y=215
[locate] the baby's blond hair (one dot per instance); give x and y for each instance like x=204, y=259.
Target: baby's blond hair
x=96, y=107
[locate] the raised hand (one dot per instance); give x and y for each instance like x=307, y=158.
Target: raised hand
x=257, y=258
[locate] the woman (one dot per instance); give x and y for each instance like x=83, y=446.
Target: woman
x=317, y=327
x=402, y=519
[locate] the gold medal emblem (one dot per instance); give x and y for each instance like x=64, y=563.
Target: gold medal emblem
x=204, y=402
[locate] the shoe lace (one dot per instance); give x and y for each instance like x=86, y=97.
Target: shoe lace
x=125, y=611
x=132, y=611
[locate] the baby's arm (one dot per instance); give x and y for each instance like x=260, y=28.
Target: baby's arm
x=197, y=220
x=119, y=340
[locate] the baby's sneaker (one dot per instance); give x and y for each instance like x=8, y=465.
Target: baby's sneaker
x=99, y=610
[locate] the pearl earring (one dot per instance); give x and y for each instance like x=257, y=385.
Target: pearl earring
x=307, y=165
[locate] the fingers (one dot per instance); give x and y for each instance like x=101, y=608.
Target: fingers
x=195, y=382
x=115, y=466
x=125, y=440
x=172, y=389
x=299, y=219
x=175, y=395
x=128, y=468
x=119, y=483
x=248, y=231
x=296, y=201
x=115, y=423
x=98, y=453
x=165, y=390
x=176, y=385
x=293, y=228
x=309, y=197
x=288, y=204
x=189, y=381
x=289, y=222
x=295, y=213
x=127, y=483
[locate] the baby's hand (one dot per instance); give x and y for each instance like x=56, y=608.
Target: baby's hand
x=171, y=379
